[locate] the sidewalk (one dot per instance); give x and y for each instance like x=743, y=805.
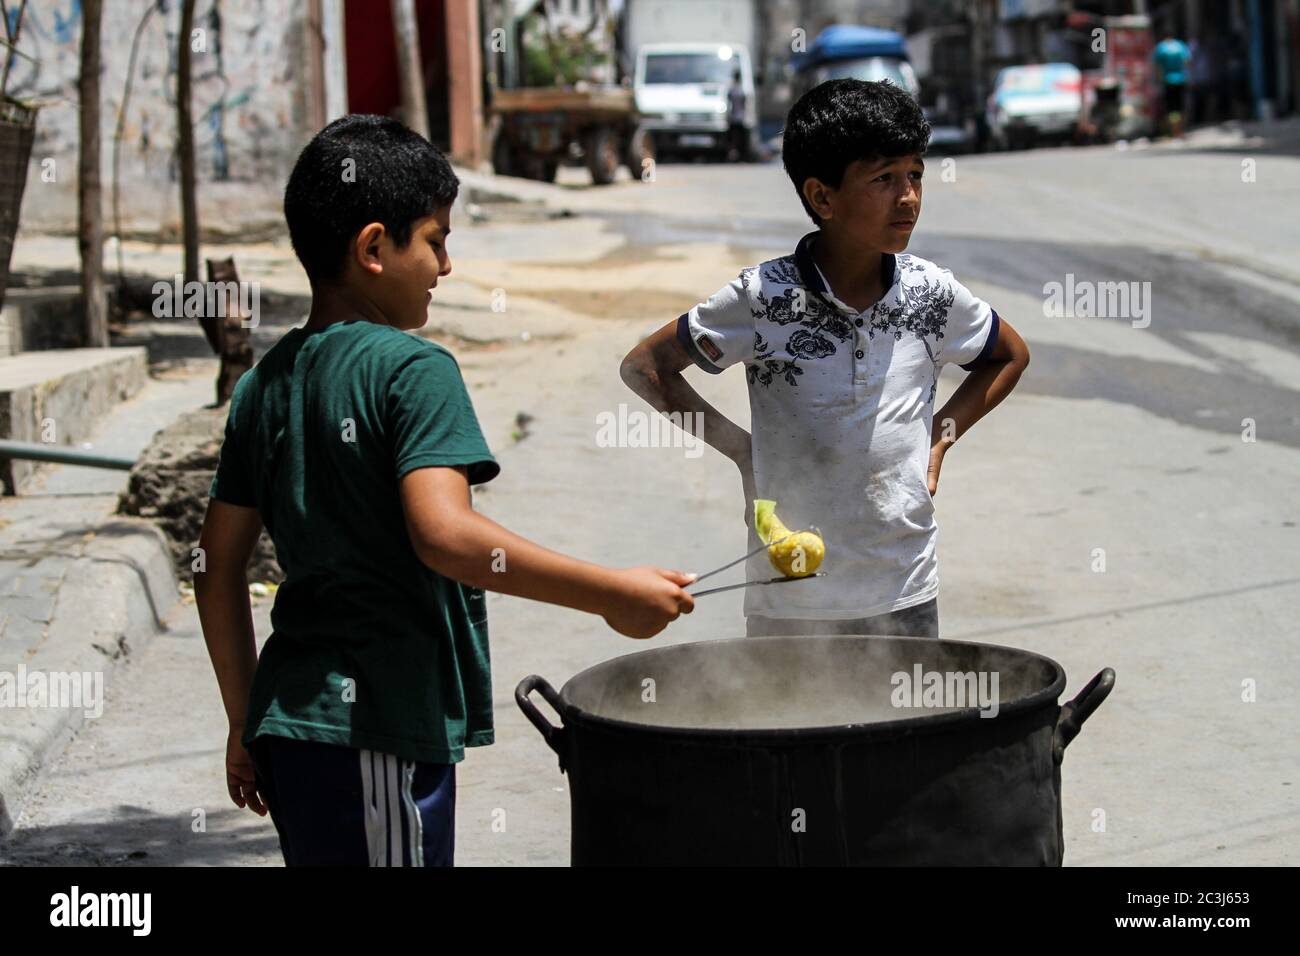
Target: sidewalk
x=82, y=588
x=1277, y=135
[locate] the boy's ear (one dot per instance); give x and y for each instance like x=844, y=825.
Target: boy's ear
x=366, y=247
x=817, y=194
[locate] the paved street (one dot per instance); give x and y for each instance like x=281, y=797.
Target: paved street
x=1119, y=437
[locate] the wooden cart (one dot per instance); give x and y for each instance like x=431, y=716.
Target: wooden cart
x=539, y=128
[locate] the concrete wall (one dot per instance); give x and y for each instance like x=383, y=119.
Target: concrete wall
x=46, y=317
x=68, y=390
x=253, y=107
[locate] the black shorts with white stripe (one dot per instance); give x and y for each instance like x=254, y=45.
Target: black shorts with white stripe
x=340, y=806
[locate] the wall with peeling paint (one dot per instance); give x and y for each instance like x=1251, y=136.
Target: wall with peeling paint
x=250, y=106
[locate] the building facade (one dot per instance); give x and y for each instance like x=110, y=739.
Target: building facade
x=266, y=75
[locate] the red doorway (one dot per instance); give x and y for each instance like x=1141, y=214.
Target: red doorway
x=373, y=82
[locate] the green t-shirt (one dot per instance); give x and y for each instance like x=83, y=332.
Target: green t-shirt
x=369, y=647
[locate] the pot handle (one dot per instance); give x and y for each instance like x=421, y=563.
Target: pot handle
x=550, y=733
x=1076, y=711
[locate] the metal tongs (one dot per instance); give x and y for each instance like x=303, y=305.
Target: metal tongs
x=753, y=584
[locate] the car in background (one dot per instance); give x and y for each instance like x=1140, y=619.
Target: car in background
x=1035, y=103
x=681, y=89
x=868, y=53
x=861, y=53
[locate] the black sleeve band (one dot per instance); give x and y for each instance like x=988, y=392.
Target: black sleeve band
x=693, y=350
x=989, y=344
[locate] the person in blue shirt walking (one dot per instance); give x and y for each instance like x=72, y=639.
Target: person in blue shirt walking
x=1172, y=56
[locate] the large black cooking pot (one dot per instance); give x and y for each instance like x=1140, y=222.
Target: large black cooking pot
x=790, y=750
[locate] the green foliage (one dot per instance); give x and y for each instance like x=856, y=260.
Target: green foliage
x=561, y=58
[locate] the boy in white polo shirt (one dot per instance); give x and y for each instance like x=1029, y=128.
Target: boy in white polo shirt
x=842, y=343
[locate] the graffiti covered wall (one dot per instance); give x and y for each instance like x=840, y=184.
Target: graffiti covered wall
x=249, y=101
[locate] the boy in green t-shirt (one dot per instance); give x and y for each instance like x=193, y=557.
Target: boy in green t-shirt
x=355, y=444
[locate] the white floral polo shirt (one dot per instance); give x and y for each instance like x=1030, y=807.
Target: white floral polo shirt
x=841, y=406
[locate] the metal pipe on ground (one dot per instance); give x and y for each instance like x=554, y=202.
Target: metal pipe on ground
x=35, y=451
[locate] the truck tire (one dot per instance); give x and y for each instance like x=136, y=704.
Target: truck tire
x=540, y=168
x=640, y=153
x=601, y=146
x=503, y=156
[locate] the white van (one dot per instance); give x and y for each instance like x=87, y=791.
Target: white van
x=682, y=90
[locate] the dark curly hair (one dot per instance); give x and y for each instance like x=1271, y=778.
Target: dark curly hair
x=840, y=121
x=357, y=170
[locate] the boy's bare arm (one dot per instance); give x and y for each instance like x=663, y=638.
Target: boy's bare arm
x=450, y=537
x=653, y=369
x=981, y=391
x=227, y=540
x=228, y=537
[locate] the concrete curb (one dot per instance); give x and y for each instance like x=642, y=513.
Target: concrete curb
x=489, y=187
x=110, y=604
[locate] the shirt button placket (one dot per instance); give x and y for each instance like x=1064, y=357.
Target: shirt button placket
x=862, y=344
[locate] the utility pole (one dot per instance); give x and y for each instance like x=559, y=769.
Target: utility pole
x=185, y=153
x=978, y=60
x=336, y=70
x=90, y=203
x=464, y=88
x=408, y=65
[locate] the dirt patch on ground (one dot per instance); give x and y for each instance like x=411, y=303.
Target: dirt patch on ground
x=630, y=282
x=617, y=303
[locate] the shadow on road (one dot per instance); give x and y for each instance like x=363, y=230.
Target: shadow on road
x=138, y=837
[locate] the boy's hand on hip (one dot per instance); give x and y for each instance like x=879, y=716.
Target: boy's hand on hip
x=647, y=600
x=746, y=468
x=938, y=449
x=240, y=779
